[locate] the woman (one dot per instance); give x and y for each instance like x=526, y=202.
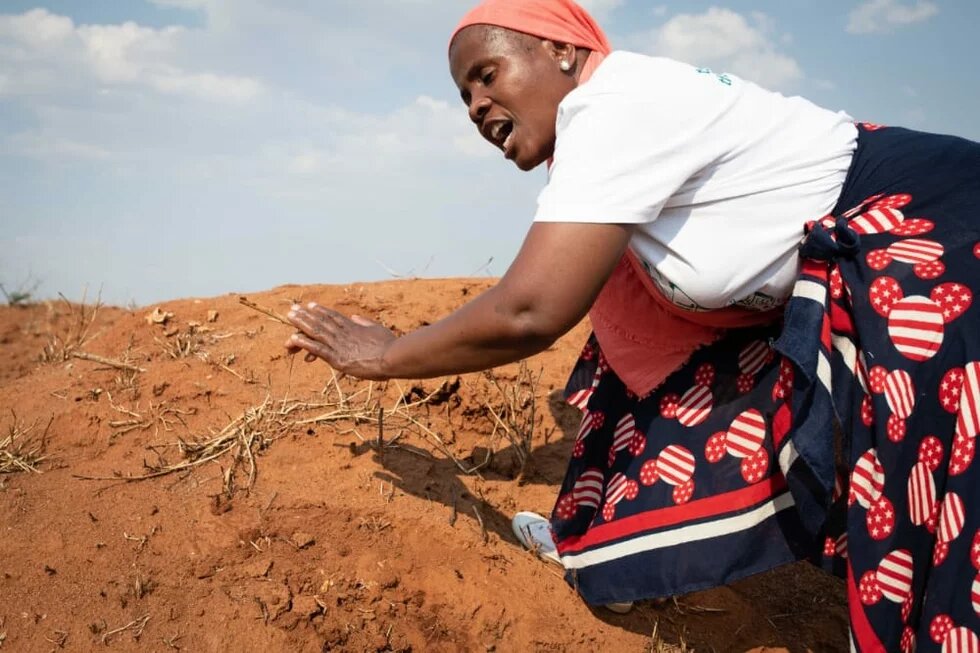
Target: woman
x=756, y=269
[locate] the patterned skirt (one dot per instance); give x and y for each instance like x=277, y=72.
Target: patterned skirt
x=844, y=435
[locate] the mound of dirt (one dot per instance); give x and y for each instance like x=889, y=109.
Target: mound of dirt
x=201, y=490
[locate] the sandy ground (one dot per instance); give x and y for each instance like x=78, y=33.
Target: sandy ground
x=273, y=521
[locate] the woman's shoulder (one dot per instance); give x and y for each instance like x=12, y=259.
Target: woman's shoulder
x=629, y=82
x=626, y=66
x=636, y=76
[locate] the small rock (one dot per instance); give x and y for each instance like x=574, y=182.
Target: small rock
x=159, y=316
x=389, y=581
x=212, y=316
x=257, y=568
x=204, y=569
x=306, y=606
x=303, y=539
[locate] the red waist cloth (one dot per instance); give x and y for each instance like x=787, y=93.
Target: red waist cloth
x=645, y=337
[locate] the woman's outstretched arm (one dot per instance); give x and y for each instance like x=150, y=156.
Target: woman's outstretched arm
x=550, y=286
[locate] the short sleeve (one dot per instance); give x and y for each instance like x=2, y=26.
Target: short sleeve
x=619, y=159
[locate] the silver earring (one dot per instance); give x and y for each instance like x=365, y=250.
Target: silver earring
x=565, y=66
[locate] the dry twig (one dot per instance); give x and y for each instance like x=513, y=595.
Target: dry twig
x=20, y=453
x=85, y=356
x=245, y=301
x=137, y=626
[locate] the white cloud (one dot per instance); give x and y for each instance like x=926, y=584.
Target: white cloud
x=725, y=40
x=887, y=15
x=51, y=54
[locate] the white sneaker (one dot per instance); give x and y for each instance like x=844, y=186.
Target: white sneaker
x=534, y=532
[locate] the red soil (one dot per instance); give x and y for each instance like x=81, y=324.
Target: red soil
x=336, y=546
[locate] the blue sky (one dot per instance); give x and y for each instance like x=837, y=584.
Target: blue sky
x=172, y=148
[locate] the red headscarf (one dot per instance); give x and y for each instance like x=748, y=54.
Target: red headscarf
x=557, y=20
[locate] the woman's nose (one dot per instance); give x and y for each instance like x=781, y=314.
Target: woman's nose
x=478, y=108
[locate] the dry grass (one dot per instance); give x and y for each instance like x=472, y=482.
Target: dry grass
x=157, y=416
x=513, y=408
x=659, y=645
x=19, y=451
x=241, y=440
x=380, y=415
x=68, y=332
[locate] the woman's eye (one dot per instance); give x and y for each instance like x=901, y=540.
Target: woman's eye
x=487, y=78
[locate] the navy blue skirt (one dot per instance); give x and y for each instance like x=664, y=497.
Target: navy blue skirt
x=845, y=434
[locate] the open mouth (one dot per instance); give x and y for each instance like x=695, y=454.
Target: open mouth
x=502, y=134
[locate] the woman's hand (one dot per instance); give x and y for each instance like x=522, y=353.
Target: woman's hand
x=354, y=346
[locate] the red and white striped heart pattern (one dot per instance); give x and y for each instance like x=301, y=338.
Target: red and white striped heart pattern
x=916, y=327
x=915, y=250
x=627, y=436
x=879, y=201
x=894, y=575
x=900, y=393
x=968, y=417
x=952, y=516
x=877, y=221
x=591, y=420
x=751, y=360
x=868, y=479
x=580, y=399
x=921, y=493
x=695, y=405
x=961, y=640
x=744, y=439
x=619, y=488
x=675, y=466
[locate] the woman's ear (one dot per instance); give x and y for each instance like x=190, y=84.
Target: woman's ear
x=564, y=54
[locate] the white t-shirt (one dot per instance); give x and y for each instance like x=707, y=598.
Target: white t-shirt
x=717, y=174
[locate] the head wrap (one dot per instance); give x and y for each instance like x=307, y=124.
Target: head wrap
x=562, y=21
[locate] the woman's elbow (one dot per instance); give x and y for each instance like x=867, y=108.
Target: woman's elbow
x=539, y=326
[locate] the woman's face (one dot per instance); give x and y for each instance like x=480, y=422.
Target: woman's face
x=512, y=84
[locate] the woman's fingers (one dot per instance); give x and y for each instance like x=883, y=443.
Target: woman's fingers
x=314, y=348
x=327, y=314
x=315, y=325
x=362, y=321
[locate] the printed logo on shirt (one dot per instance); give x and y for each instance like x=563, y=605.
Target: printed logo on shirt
x=757, y=301
x=671, y=291
x=722, y=77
